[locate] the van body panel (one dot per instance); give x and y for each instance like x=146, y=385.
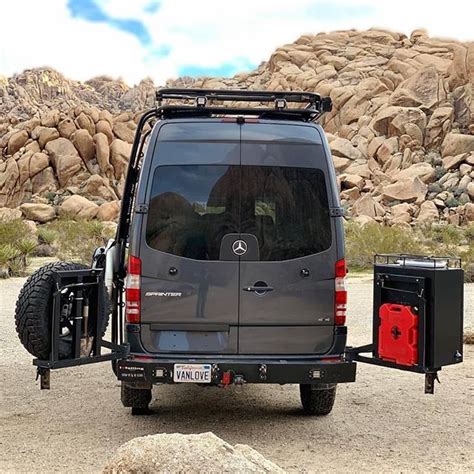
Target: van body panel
x=303, y=287
x=285, y=340
x=210, y=183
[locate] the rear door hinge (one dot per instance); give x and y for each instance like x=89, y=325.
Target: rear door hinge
x=336, y=211
x=141, y=208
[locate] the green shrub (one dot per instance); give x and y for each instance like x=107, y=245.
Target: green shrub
x=13, y=231
x=46, y=236
x=76, y=239
x=16, y=247
x=452, y=202
x=363, y=242
x=442, y=234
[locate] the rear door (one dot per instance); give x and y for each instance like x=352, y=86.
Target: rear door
x=287, y=273
x=190, y=277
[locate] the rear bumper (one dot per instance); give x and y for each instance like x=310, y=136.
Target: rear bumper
x=139, y=372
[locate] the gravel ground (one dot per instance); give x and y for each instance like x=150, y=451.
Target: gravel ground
x=383, y=422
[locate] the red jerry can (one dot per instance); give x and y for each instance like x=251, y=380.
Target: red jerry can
x=398, y=334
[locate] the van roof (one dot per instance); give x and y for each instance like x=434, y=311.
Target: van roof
x=217, y=129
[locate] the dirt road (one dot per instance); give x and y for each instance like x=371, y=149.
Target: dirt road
x=383, y=422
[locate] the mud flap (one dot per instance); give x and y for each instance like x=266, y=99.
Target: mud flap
x=81, y=292
x=417, y=316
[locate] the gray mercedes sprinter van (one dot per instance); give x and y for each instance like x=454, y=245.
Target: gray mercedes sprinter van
x=236, y=270
x=228, y=263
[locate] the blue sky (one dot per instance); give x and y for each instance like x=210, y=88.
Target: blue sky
x=134, y=39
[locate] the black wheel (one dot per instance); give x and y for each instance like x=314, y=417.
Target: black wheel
x=317, y=400
x=33, y=312
x=137, y=399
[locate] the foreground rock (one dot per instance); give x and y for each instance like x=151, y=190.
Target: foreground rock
x=196, y=453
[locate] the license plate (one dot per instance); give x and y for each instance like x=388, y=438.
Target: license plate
x=192, y=373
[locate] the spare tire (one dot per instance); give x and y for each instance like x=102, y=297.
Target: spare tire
x=33, y=313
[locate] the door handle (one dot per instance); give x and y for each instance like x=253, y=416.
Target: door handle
x=258, y=289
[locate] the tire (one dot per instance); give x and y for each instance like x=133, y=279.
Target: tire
x=137, y=399
x=34, y=307
x=317, y=401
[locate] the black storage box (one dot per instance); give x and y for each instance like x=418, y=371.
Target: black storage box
x=433, y=290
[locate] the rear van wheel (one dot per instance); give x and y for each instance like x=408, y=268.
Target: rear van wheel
x=317, y=400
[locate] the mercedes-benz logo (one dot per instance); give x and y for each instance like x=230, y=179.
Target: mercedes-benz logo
x=239, y=247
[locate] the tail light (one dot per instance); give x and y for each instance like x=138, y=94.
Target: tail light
x=132, y=290
x=341, y=293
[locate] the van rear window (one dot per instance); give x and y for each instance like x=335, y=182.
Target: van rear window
x=192, y=207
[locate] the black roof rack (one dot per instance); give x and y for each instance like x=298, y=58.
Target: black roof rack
x=204, y=103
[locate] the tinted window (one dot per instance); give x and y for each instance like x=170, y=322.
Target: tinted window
x=286, y=209
x=193, y=207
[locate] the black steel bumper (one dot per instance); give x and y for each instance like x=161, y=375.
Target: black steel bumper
x=305, y=371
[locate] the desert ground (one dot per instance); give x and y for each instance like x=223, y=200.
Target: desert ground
x=381, y=423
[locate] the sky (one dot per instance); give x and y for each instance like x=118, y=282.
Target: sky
x=161, y=39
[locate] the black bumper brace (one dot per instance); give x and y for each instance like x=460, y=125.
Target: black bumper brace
x=304, y=371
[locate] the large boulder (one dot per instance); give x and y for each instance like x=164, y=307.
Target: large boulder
x=9, y=177
x=344, y=148
x=64, y=158
x=99, y=187
x=438, y=125
x=46, y=134
x=422, y=170
x=192, y=454
x=428, y=212
x=367, y=206
x=391, y=121
x=120, y=156
x=108, y=211
x=102, y=150
x=16, y=141
x=67, y=127
x=452, y=162
x=84, y=144
x=401, y=213
x=7, y=214
x=86, y=122
x=424, y=88
x=38, y=212
x=407, y=190
x=123, y=131
x=457, y=143
x=44, y=181
x=103, y=126
x=78, y=206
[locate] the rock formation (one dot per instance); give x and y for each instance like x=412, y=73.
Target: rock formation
x=194, y=453
x=401, y=131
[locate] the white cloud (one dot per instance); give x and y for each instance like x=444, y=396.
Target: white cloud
x=206, y=33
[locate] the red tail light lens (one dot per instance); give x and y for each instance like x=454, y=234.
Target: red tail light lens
x=340, y=304
x=132, y=290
